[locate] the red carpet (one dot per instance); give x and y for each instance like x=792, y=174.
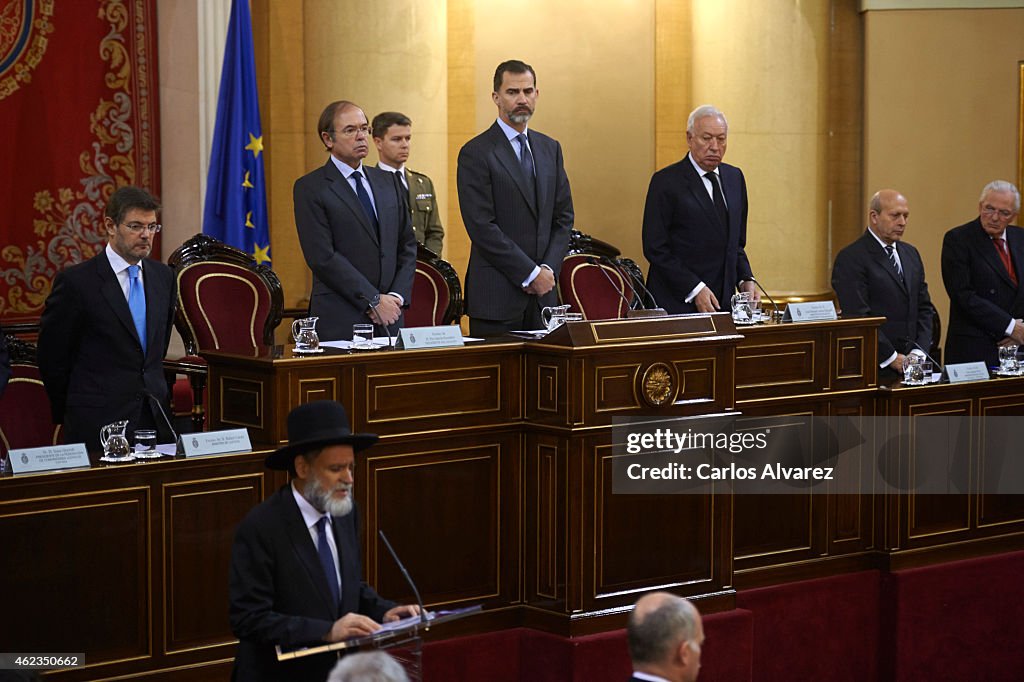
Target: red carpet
x=954, y=621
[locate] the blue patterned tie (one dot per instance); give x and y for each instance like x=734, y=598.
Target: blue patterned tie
x=326, y=560
x=137, y=303
x=364, y=199
x=525, y=156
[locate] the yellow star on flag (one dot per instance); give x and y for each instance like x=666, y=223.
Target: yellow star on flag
x=255, y=145
x=245, y=181
x=248, y=219
x=260, y=255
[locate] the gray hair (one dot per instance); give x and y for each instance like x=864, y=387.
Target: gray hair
x=875, y=204
x=369, y=666
x=703, y=111
x=652, y=636
x=1002, y=186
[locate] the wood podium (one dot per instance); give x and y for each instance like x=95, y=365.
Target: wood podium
x=492, y=480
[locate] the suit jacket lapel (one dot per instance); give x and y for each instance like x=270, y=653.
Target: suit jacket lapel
x=156, y=307
x=882, y=258
x=987, y=250
x=700, y=191
x=383, y=186
x=343, y=190
x=302, y=544
x=507, y=156
x=543, y=157
x=731, y=192
x=114, y=294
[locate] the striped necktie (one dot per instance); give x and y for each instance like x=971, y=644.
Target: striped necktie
x=891, y=250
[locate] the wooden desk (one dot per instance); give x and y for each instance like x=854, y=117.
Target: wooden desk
x=492, y=480
x=128, y=563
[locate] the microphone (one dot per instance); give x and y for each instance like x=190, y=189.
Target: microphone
x=905, y=342
x=767, y=295
x=408, y=579
x=596, y=263
x=167, y=420
x=654, y=303
x=644, y=310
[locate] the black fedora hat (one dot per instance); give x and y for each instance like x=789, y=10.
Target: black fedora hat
x=316, y=425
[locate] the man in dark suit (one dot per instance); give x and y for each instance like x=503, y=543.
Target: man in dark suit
x=695, y=223
x=104, y=332
x=392, y=135
x=981, y=263
x=295, y=563
x=665, y=634
x=517, y=207
x=355, y=232
x=880, y=274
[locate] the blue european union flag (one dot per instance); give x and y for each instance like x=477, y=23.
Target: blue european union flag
x=236, y=196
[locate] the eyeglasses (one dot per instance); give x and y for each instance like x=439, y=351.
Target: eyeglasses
x=136, y=228
x=1003, y=213
x=351, y=131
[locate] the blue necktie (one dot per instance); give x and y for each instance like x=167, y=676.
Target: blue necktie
x=137, y=303
x=364, y=199
x=525, y=156
x=326, y=560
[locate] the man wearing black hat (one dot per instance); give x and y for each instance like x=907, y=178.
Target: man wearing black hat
x=286, y=587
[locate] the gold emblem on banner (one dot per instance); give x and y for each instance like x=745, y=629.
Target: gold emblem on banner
x=658, y=384
x=24, y=28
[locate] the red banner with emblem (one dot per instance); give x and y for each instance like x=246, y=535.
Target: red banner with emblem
x=78, y=111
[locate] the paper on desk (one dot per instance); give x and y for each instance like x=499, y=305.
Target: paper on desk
x=378, y=342
x=403, y=622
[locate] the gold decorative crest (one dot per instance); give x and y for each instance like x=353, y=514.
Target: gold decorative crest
x=658, y=384
x=24, y=27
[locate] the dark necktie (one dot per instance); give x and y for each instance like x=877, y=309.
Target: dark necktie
x=891, y=250
x=1004, y=255
x=525, y=156
x=719, y=199
x=137, y=303
x=364, y=199
x=401, y=177
x=326, y=560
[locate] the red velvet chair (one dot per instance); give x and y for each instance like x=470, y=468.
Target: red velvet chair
x=225, y=302
x=436, y=292
x=25, y=420
x=596, y=281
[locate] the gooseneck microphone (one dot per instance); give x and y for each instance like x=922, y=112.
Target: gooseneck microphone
x=408, y=579
x=910, y=342
x=167, y=420
x=771, y=300
x=654, y=303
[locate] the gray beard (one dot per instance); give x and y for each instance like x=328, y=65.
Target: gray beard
x=520, y=118
x=324, y=501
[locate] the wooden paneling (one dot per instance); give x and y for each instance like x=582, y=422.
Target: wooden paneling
x=133, y=558
x=492, y=479
x=195, y=549
x=84, y=556
x=450, y=508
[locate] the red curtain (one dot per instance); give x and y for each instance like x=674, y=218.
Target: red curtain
x=78, y=111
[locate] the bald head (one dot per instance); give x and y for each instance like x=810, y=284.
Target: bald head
x=665, y=634
x=888, y=214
